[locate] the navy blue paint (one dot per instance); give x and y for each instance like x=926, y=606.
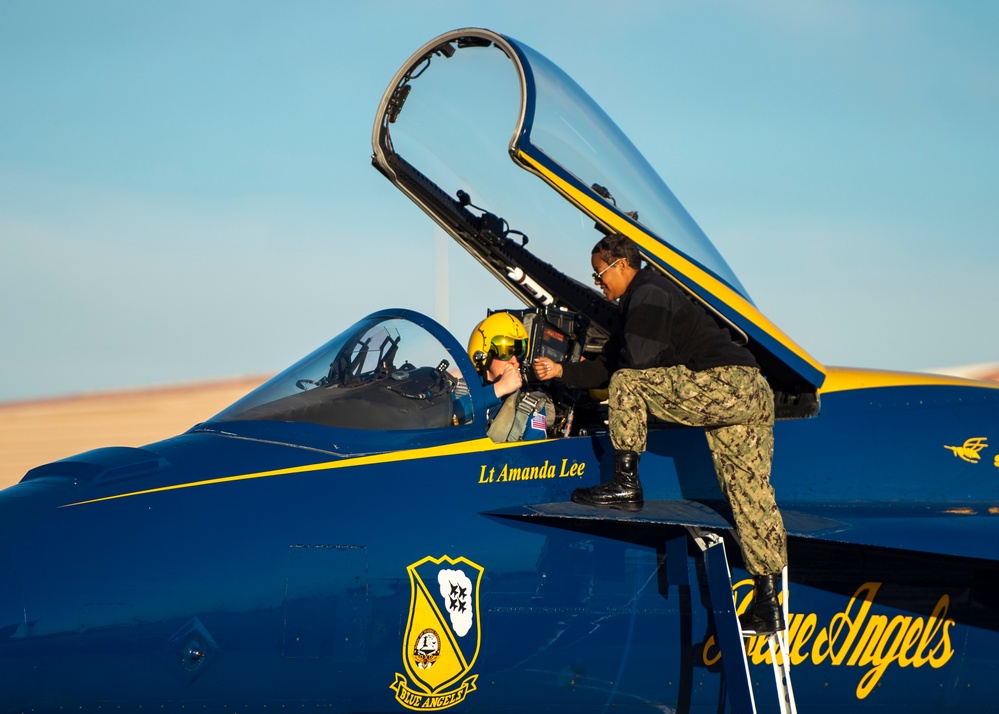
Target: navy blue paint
x=100, y=602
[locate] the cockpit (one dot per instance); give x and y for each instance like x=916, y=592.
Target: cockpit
x=400, y=371
x=387, y=372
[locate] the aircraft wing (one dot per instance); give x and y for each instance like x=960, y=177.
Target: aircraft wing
x=960, y=530
x=964, y=530
x=678, y=512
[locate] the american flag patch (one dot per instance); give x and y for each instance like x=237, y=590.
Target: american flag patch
x=539, y=422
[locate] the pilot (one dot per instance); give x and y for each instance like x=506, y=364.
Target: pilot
x=667, y=356
x=496, y=346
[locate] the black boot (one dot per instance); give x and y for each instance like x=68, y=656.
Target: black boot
x=766, y=616
x=624, y=491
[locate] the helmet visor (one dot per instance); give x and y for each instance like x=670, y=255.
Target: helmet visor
x=504, y=348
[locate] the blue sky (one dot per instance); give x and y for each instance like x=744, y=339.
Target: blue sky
x=186, y=190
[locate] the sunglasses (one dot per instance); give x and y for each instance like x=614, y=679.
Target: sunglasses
x=506, y=348
x=599, y=277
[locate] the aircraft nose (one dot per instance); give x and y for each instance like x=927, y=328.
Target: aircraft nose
x=12, y=632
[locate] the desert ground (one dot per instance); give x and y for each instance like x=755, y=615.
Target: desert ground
x=39, y=431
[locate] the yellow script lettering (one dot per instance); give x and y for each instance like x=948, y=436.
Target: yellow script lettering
x=798, y=638
x=855, y=638
x=843, y=620
x=575, y=470
x=893, y=636
x=941, y=654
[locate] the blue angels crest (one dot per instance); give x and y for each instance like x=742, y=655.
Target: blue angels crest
x=442, y=634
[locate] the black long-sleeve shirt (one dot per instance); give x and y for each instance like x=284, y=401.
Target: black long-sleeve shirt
x=658, y=326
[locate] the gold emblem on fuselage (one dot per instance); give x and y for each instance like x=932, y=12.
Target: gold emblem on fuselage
x=441, y=641
x=969, y=451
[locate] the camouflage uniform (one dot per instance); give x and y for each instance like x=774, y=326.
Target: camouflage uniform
x=735, y=405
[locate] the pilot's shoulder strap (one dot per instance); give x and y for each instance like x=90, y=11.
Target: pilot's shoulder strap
x=527, y=402
x=511, y=422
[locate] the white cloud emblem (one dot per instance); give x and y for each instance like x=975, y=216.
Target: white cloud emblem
x=456, y=589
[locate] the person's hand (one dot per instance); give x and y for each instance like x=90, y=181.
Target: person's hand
x=509, y=381
x=547, y=369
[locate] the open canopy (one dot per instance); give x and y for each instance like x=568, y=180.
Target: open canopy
x=471, y=98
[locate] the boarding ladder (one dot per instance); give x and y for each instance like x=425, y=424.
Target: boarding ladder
x=735, y=664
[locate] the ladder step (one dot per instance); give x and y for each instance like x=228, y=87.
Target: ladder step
x=735, y=664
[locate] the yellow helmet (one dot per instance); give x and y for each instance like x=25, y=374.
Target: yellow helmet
x=500, y=336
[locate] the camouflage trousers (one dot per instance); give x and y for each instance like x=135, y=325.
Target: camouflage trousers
x=735, y=405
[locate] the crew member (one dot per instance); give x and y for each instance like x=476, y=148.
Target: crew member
x=667, y=356
x=496, y=346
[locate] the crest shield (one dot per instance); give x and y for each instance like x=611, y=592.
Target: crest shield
x=443, y=633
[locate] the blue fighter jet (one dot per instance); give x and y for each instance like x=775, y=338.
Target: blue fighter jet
x=347, y=537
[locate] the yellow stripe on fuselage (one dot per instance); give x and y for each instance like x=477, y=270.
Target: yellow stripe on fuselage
x=466, y=447
x=600, y=212
x=843, y=379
